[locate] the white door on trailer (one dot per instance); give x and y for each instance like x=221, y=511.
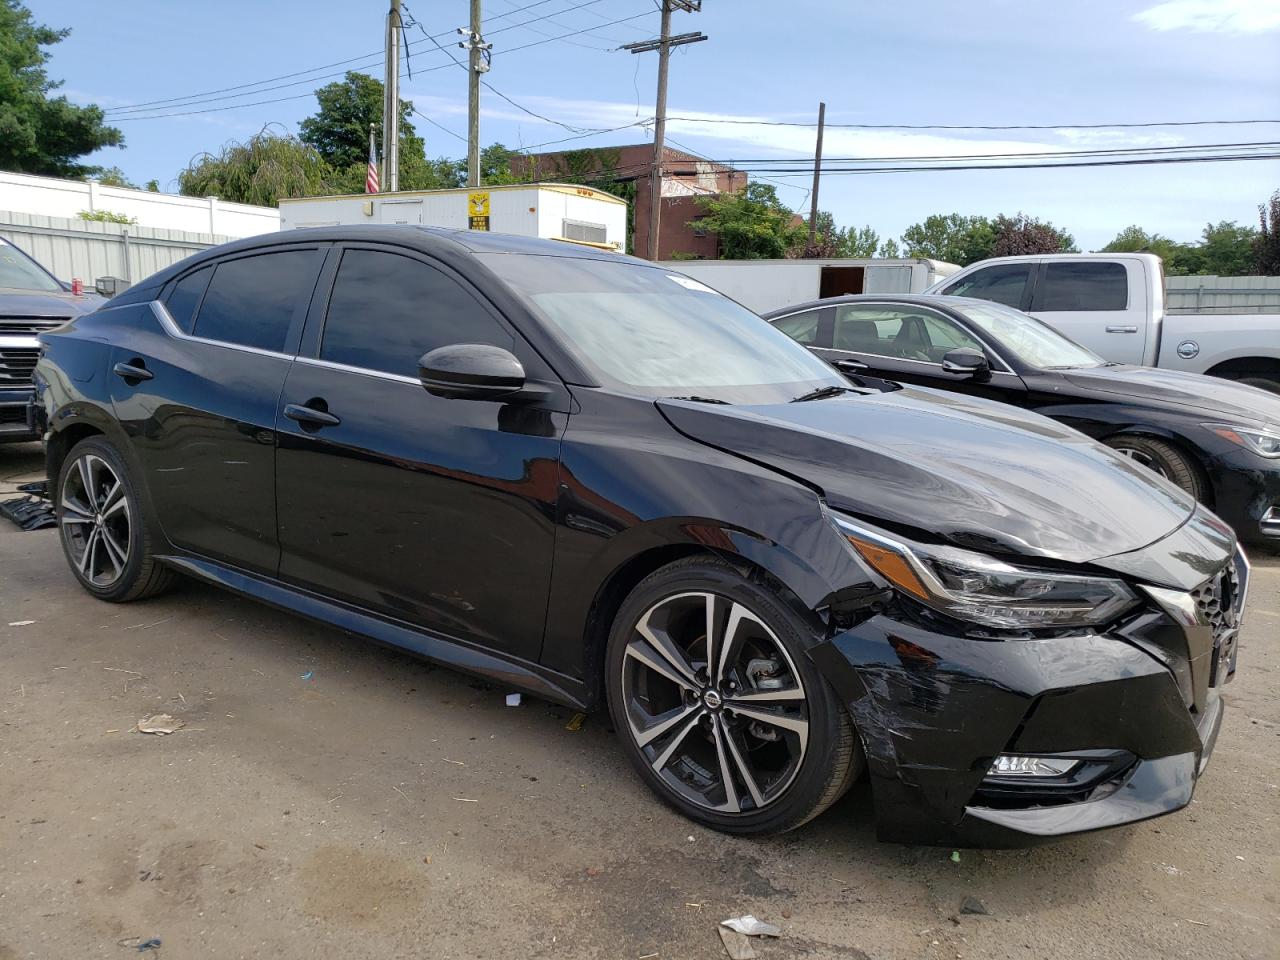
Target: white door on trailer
x=400, y=211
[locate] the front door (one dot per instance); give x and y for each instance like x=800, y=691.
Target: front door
x=197, y=393
x=907, y=343
x=439, y=513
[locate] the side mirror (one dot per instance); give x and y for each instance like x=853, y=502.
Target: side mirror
x=966, y=361
x=471, y=371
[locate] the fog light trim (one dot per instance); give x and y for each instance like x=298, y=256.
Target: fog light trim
x=1031, y=767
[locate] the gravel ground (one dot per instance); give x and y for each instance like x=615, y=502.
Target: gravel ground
x=330, y=798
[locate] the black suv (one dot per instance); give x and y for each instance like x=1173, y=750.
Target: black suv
x=597, y=479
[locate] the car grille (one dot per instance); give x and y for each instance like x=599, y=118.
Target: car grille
x=29, y=326
x=1216, y=601
x=16, y=365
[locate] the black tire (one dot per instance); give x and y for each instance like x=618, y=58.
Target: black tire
x=829, y=754
x=1262, y=383
x=1164, y=458
x=116, y=522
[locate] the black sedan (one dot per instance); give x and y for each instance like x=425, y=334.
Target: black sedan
x=601, y=481
x=1216, y=439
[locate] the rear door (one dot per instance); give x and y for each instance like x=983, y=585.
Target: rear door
x=197, y=393
x=436, y=512
x=1100, y=304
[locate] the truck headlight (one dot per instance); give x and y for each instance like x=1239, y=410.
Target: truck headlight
x=980, y=589
x=1264, y=442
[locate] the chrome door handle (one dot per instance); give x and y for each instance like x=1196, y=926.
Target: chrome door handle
x=132, y=371
x=1122, y=329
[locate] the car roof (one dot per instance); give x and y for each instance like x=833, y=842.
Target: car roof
x=936, y=301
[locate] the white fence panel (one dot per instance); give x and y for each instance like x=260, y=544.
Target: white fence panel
x=89, y=250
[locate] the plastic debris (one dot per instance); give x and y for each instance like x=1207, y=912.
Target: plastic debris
x=575, y=722
x=736, y=944
x=139, y=944
x=955, y=856
x=972, y=905
x=752, y=927
x=308, y=675
x=513, y=699
x=161, y=724
x=21, y=623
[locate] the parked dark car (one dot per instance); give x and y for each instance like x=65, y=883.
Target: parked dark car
x=31, y=301
x=596, y=479
x=1216, y=439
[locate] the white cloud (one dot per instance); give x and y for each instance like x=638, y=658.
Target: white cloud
x=1213, y=16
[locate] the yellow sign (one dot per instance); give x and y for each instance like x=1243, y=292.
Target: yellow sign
x=478, y=203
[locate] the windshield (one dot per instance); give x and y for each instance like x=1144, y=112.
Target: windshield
x=1034, y=343
x=648, y=330
x=20, y=272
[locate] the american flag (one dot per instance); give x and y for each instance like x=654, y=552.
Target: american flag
x=371, y=177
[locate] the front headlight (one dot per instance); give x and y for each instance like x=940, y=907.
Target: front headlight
x=1264, y=442
x=981, y=589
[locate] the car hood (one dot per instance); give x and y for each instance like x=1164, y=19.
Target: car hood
x=15, y=302
x=1222, y=399
x=978, y=473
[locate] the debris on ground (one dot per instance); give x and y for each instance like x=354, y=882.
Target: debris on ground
x=736, y=944
x=21, y=623
x=575, y=722
x=955, y=856
x=29, y=512
x=974, y=906
x=752, y=927
x=161, y=724
x=308, y=675
x=513, y=699
x=139, y=944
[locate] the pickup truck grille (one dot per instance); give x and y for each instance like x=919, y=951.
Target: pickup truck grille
x=16, y=365
x=29, y=326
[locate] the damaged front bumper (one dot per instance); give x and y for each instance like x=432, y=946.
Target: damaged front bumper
x=1138, y=707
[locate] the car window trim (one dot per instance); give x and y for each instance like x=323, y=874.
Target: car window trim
x=992, y=353
x=170, y=327
x=363, y=371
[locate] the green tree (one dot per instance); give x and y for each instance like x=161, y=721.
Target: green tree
x=261, y=170
x=114, y=177
x=889, y=249
x=751, y=225
x=950, y=237
x=153, y=186
x=1021, y=235
x=1227, y=249
x=339, y=132
x=1267, y=246
x=832, y=242
x=39, y=133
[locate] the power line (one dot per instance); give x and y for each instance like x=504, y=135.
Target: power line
x=439, y=126
x=1046, y=154
x=117, y=113
x=1033, y=166
x=973, y=126
x=300, y=96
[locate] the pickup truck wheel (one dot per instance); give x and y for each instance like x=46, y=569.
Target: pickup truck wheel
x=1164, y=458
x=1262, y=383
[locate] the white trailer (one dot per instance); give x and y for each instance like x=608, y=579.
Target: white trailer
x=764, y=285
x=556, y=211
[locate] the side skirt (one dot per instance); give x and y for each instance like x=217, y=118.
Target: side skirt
x=446, y=652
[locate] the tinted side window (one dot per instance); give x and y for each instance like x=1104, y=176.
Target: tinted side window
x=802, y=328
x=388, y=310
x=251, y=301
x=1004, y=283
x=1084, y=286
x=185, y=296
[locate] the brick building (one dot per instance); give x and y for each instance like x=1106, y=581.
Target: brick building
x=684, y=179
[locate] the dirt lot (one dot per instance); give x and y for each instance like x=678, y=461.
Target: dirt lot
x=329, y=798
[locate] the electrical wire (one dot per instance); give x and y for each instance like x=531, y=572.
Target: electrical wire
x=439, y=126
x=971, y=126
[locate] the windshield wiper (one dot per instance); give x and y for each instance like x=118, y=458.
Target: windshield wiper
x=696, y=399
x=822, y=393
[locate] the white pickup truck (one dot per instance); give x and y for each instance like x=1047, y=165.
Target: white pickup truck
x=1114, y=304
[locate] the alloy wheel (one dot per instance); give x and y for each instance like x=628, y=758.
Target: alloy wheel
x=95, y=520
x=715, y=702
x=1142, y=458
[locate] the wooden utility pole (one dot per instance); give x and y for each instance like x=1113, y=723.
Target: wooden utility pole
x=817, y=177
x=391, y=102
x=663, y=45
x=477, y=63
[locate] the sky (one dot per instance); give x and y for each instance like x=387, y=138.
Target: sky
x=930, y=62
